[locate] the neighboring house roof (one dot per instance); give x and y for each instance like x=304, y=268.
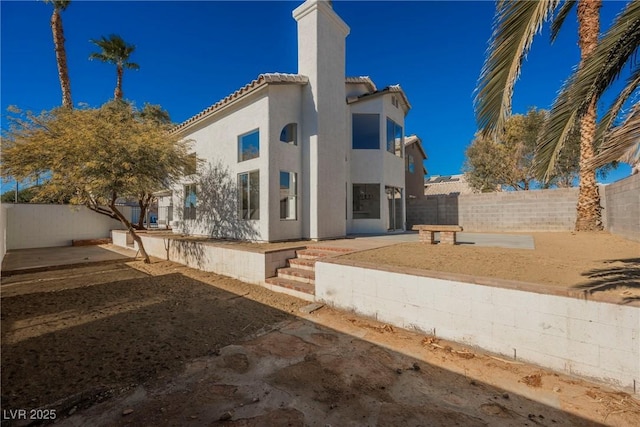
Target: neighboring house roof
x=389, y=89
x=450, y=184
x=415, y=139
x=254, y=85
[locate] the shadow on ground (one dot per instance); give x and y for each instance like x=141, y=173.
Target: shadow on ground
x=169, y=349
x=624, y=275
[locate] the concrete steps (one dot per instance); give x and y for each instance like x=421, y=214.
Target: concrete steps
x=300, y=275
x=306, y=288
x=302, y=264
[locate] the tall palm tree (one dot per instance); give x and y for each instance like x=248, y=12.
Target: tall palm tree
x=115, y=51
x=602, y=60
x=61, y=54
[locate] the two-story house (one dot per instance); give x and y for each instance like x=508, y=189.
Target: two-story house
x=313, y=155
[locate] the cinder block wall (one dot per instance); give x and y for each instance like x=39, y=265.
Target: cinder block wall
x=535, y=210
x=621, y=202
x=441, y=209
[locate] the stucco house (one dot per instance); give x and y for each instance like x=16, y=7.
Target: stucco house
x=414, y=171
x=313, y=155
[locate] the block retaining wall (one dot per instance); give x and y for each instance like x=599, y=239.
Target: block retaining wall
x=248, y=266
x=593, y=339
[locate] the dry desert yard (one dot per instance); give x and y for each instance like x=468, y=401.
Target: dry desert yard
x=163, y=344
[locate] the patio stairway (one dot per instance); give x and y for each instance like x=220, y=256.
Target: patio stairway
x=300, y=274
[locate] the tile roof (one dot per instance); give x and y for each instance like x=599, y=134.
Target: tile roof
x=388, y=89
x=366, y=80
x=260, y=81
x=450, y=184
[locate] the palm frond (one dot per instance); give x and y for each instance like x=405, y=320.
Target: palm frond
x=98, y=56
x=620, y=141
x=515, y=25
x=59, y=4
x=616, y=48
x=559, y=126
x=607, y=121
x=114, y=49
x=557, y=22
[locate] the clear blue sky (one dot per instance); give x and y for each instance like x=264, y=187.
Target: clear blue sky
x=192, y=54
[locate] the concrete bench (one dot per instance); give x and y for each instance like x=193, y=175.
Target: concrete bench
x=447, y=233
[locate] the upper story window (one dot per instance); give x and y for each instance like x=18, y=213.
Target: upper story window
x=249, y=146
x=411, y=164
x=394, y=101
x=289, y=134
x=366, y=131
x=394, y=138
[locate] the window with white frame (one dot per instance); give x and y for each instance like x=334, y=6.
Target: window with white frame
x=190, y=201
x=366, y=201
x=249, y=195
x=394, y=138
x=288, y=195
x=249, y=146
x=289, y=134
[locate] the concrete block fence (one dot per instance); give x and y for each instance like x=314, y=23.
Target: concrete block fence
x=593, y=339
x=621, y=202
x=533, y=210
x=440, y=209
x=537, y=210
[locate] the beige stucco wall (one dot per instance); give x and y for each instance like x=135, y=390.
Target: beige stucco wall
x=40, y=226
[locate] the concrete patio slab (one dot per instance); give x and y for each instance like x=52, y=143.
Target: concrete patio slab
x=497, y=240
x=40, y=259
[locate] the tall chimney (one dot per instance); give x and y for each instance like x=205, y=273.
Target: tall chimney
x=321, y=57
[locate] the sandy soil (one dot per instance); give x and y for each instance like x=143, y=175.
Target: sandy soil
x=161, y=344
x=597, y=263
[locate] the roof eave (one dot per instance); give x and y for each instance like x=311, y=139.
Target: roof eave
x=209, y=112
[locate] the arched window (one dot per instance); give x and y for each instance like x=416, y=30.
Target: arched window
x=289, y=134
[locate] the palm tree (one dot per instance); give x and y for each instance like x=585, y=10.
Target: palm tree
x=61, y=54
x=517, y=22
x=115, y=51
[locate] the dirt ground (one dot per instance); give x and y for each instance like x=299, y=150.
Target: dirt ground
x=600, y=264
x=164, y=345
